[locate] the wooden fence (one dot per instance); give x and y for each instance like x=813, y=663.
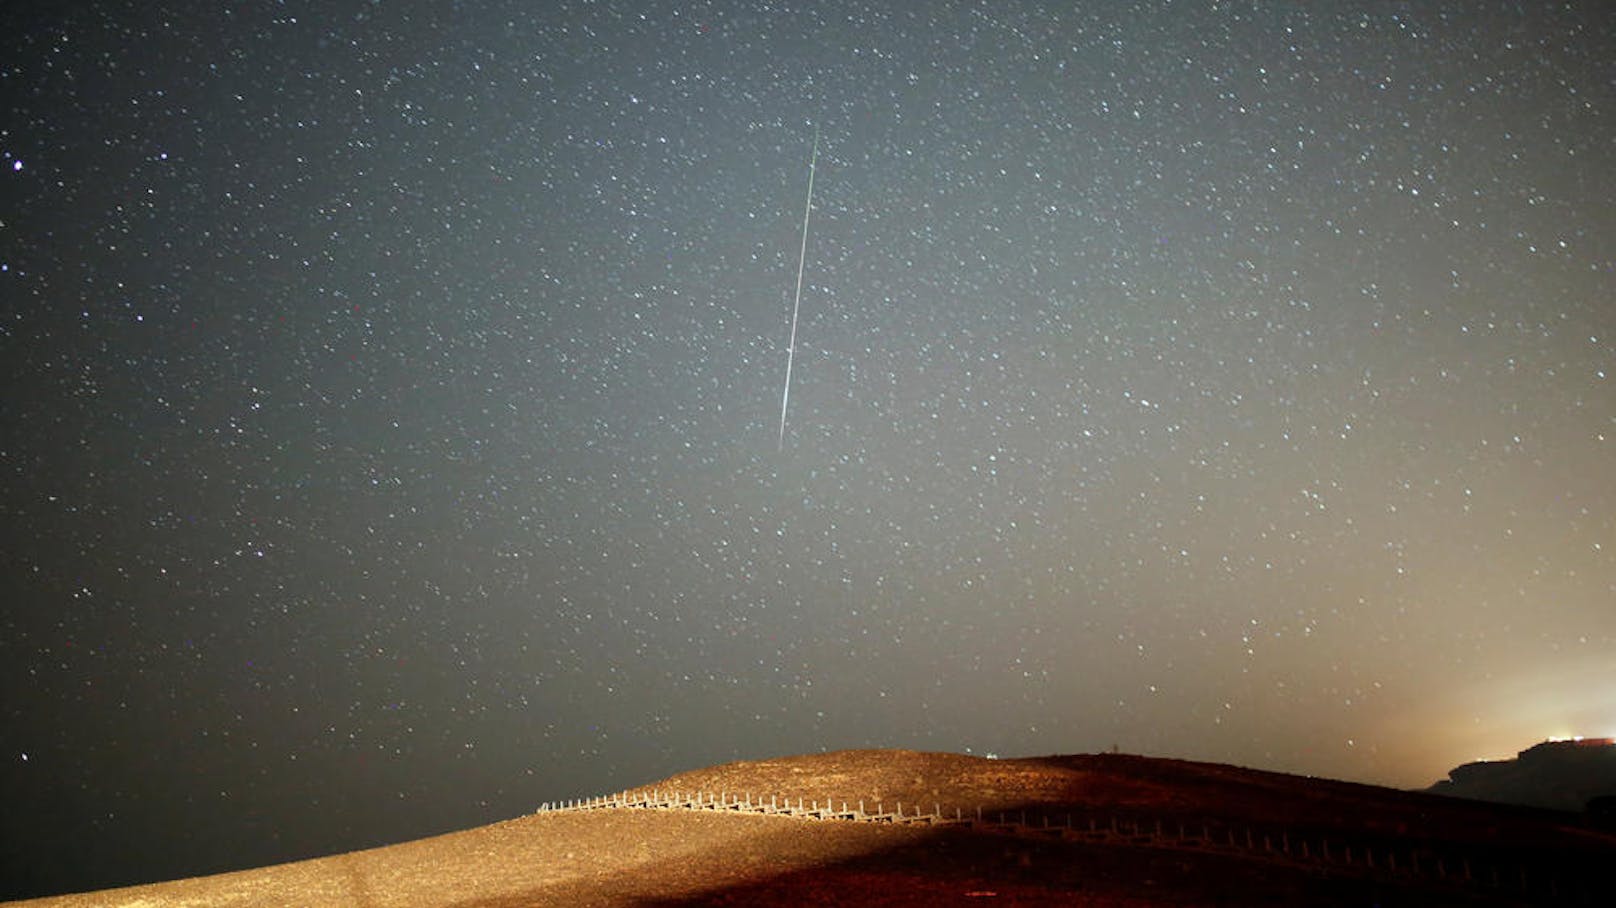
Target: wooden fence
x=1560, y=877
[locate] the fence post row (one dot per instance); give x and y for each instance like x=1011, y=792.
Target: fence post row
x=1298, y=848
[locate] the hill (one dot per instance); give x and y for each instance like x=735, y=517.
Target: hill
x=1559, y=775
x=1099, y=830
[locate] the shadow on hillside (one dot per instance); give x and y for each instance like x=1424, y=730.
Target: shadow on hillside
x=959, y=865
x=1222, y=836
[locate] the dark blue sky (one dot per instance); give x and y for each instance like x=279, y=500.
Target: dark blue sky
x=389, y=441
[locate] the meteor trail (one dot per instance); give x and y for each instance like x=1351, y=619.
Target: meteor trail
x=796, y=306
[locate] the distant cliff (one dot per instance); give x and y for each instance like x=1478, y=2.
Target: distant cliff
x=1561, y=775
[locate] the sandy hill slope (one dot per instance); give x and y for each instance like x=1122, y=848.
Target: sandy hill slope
x=1100, y=830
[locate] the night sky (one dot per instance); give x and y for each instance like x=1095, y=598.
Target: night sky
x=389, y=433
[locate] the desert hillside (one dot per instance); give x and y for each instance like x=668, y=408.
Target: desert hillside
x=907, y=828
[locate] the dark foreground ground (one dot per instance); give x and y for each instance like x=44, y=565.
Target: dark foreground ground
x=1233, y=837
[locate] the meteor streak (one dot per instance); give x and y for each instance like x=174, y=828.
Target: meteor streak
x=796, y=306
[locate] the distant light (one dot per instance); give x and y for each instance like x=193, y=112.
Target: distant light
x=1596, y=740
x=16, y=166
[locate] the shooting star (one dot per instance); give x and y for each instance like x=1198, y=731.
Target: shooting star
x=796, y=306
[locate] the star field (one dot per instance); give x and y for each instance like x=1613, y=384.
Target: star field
x=389, y=441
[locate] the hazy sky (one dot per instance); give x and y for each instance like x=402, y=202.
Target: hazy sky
x=392, y=389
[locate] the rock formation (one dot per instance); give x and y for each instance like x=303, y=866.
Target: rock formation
x=1573, y=775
